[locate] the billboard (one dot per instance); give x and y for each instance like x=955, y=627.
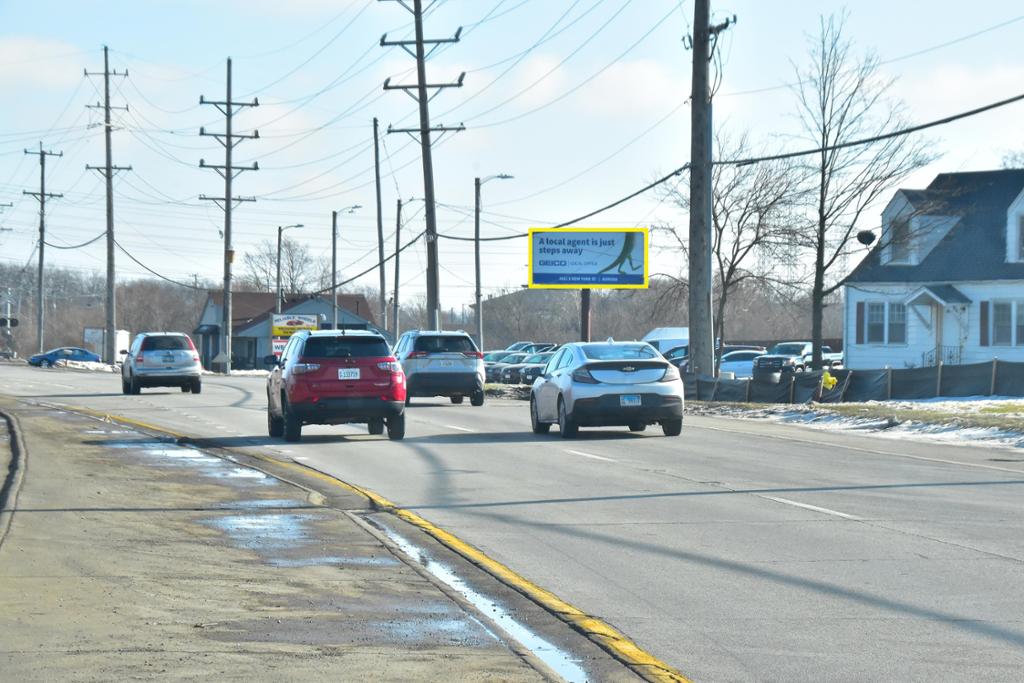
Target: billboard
x=588, y=258
x=287, y=325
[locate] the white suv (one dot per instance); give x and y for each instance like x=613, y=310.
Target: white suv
x=161, y=359
x=441, y=364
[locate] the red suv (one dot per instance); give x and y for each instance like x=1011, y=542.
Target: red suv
x=336, y=377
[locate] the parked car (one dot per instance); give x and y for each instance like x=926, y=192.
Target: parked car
x=161, y=359
x=512, y=374
x=787, y=357
x=518, y=346
x=441, y=364
x=336, y=377
x=740, y=363
x=491, y=357
x=531, y=347
x=607, y=384
x=492, y=372
x=48, y=359
x=529, y=373
x=679, y=356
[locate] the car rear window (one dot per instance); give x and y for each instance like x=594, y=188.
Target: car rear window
x=618, y=351
x=497, y=355
x=538, y=358
x=444, y=344
x=167, y=343
x=787, y=349
x=346, y=347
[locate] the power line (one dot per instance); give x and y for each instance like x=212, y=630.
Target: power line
x=78, y=246
x=153, y=272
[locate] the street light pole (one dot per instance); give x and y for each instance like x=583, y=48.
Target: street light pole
x=334, y=259
x=280, y=231
x=477, y=182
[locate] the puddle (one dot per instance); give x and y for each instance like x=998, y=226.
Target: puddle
x=560, y=661
x=335, y=561
x=263, y=532
x=170, y=454
x=264, y=503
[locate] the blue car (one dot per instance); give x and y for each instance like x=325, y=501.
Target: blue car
x=46, y=360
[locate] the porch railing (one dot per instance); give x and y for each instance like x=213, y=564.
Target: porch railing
x=948, y=355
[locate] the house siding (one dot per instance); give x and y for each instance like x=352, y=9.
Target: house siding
x=921, y=339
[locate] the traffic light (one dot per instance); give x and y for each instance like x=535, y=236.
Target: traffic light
x=8, y=322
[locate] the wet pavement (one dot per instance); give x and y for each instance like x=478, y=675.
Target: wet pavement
x=135, y=557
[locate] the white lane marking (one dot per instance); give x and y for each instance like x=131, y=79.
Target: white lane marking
x=590, y=455
x=461, y=429
x=299, y=457
x=813, y=508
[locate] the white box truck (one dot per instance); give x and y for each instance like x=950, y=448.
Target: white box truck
x=94, y=339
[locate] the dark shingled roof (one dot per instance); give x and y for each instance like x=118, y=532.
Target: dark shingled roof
x=975, y=248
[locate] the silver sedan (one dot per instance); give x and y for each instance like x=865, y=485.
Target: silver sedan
x=609, y=383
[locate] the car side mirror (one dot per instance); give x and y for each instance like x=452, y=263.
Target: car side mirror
x=123, y=352
x=270, y=360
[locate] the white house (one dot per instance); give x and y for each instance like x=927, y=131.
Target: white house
x=945, y=282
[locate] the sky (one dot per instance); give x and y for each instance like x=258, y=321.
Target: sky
x=582, y=101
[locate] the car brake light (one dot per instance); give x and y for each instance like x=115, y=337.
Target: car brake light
x=472, y=354
x=389, y=366
x=140, y=358
x=418, y=354
x=195, y=357
x=191, y=345
x=303, y=368
x=671, y=374
x=583, y=376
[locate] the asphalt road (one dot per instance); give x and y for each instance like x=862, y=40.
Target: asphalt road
x=738, y=551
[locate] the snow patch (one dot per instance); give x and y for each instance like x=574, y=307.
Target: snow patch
x=86, y=365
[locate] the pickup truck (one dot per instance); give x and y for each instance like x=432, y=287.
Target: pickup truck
x=794, y=357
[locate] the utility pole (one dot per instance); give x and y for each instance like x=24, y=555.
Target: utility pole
x=477, y=182
x=380, y=229
x=107, y=171
x=279, y=299
x=702, y=328
x=424, y=132
x=334, y=257
x=228, y=139
x=398, y=256
x=42, y=196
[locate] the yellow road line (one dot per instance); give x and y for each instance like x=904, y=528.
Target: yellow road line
x=617, y=644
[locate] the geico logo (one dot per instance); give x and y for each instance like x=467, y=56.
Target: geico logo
x=554, y=263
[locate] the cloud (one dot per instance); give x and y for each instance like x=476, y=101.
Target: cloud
x=39, y=62
x=630, y=87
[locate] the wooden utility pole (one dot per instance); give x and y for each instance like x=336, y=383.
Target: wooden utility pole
x=228, y=171
x=110, y=350
x=380, y=229
x=42, y=196
x=419, y=52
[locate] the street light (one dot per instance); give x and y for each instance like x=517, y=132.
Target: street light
x=334, y=258
x=280, y=231
x=476, y=243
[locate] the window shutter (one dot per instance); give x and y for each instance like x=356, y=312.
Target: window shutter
x=860, y=322
x=984, y=323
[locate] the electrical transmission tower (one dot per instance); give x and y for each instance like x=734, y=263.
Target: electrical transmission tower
x=229, y=172
x=417, y=49
x=107, y=171
x=42, y=196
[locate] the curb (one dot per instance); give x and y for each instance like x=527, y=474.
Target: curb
x=638, y=660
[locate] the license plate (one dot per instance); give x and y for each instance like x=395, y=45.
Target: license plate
x=447, y=364
x=630, y=401
x=169, y=359
x=348, y=373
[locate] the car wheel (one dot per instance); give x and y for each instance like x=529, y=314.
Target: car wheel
x=637, y=427
x=566, y=425
x=45, y=364
x=185, y=388
x=396, y=427
x=197, y=386
x=125, y=387
x=292, y=424
x=275, y=425
x=375, y=425
x=134, y=387
x=457, y=400
x=477, y=399
x=408, y=399
x=672, y=427
x=538, y=426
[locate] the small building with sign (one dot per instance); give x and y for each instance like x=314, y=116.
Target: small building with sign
x=253, y=320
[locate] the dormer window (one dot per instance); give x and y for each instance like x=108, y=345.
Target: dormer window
x=899, y=237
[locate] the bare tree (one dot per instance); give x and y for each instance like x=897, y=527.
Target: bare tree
x=299, y=270
x=841, y=98
x=1014, y=159
x=750, y=218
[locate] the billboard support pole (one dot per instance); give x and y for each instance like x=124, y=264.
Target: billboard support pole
x=585, y=315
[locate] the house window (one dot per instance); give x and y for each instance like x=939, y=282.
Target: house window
x=876, y=323
x=900, y=240
x=1002, y=324
x=897, y=324
x=1020, y=237
x=1020, y=324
